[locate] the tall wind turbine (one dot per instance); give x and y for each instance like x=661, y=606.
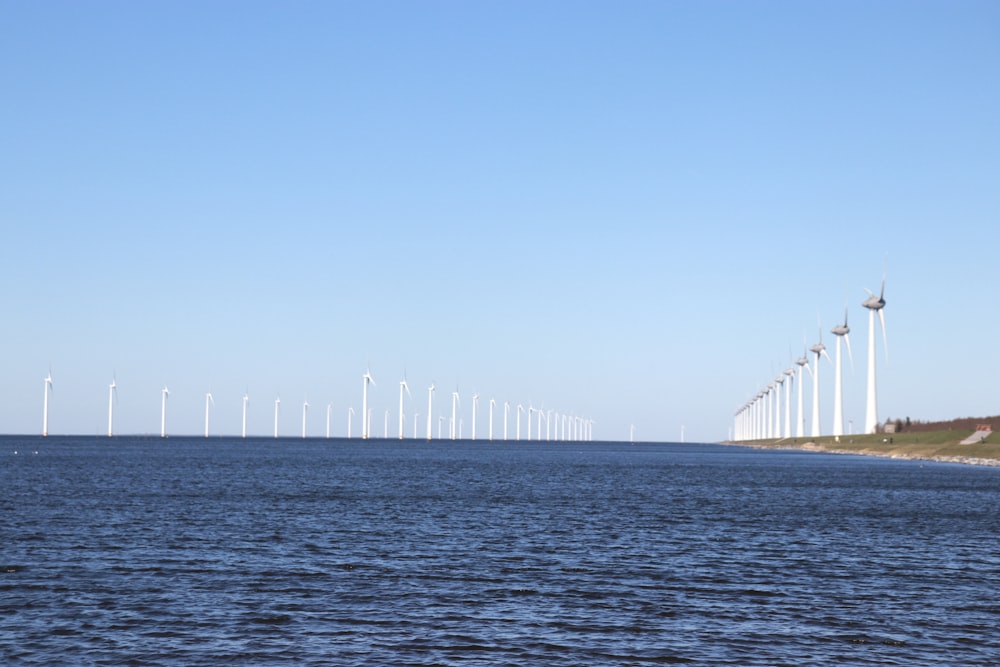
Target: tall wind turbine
x=246, y=400
x=493, y=404
x=454, y=413
x=820, y=351
x=208, y=400
x=874, y=304
x=790, y=373
x=277, y=407
x=112, y=395
x=475, y=405
x=520, y=409
x=366, y=379
x=430, y=410
x=506, y=417
x=350, y=414
x=45, y=404
x=163, y=412
x=841, y=331
x=305, y=409
x=800, y=424
x=402, y=387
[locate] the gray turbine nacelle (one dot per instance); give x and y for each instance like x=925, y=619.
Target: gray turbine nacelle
x=840, y=330
x=818, y=348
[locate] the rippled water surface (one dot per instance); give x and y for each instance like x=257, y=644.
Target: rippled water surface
x=333, y=552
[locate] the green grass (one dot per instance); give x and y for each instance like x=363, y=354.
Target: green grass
x=917, y=445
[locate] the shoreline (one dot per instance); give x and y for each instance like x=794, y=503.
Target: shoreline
x=906, y=450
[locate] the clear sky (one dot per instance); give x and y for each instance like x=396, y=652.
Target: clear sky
x=631, y=211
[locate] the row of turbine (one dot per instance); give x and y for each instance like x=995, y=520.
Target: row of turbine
x=558, y=426
x=761, y=417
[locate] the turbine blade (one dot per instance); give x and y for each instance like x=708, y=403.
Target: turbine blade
x=850, y=355
x=825, y=354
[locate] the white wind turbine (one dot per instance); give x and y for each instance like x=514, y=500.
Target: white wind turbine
x=246, y=400
x=208, y=401
x=350, y=414
x=329, y=411
x=112, y=395
x=277, y=408
x=163, y=412
x=790, y=373
x=430, y=410
x=454, y=413
x=365, y=417
x=416, y=424
x=531, y=410
x=493, y=404
x=800, y=425
x=820, y=351
x=305, y=409
x=841, y=331
x=520, y=409
x=506, y=417
x=874, y=304
x=385, y=425
x=475, y=405
x=45, y=404
x=402, y=387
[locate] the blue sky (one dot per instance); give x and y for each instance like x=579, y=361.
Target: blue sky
x=629, y=211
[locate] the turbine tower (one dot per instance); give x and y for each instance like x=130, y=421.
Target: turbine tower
x=277, y=407
x=520, y=409
x=305, y=409
x=430, y=410
x=790, y=372
x=329, y=411
x=820, y=351
x=454, y=413
x=208, y=400
x=163, y=412
x=402, y=387
x=350, y=414
x=874, y=304
x=112, y=394
x=365, y=417
x=475, y=405
x=45, y=404
x=841, y=331
x=800, y=425
x=493, y=404
x=506, y=417
x=246, y=399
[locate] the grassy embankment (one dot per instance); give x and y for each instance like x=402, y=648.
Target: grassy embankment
x=933, y=445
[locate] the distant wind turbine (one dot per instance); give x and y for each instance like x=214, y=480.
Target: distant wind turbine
x=820, y=351
x=246, y=400
x=402, y=387
x=790, y=373
x=329, y=411
x=45, y=404
x=385, y=425
x=493, y=404
x=277, y=408
x=430, y=409
x=305, y=409
x=208, y=400
x=163, y=412
x=112, y=395
x=416, y=424
x=475, y=405
x=454, y=413
x=350, y=414
x=531, y=410
x=841, y=331
x=874, y=304
x=365, y=417
x=506, y=417
x=520, y=409
x=800, y=426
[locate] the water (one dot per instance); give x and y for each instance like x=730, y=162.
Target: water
x=195, y=552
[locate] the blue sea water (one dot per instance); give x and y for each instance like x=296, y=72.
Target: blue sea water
x=130, y=551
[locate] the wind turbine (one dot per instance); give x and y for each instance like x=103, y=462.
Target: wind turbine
x=520, y=409
x=366, y=378
x=531, y=410
x=874, y=304
x=430, y=409
x=454, y=413
x=416, y=416
x=475, y=404
x=277, y=407
x=820, y=351
x=506, y=417
x=112, y=395
x=402, y=387
x=329, y=411
x=246, y=400
x=841, y=331
x=305, y=409
x=493, y=404
x=163, y=412
x=208, y=400
x=350, y=413
x=800, y=426
x=45, y=404
x=385, y=425
x=790, y=372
